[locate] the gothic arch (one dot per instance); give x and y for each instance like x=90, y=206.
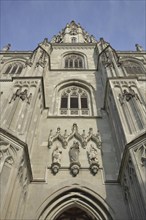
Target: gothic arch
x=18, y=62
x=84, y=57
x=75, y=197
x=132, y=65
x=78, y=83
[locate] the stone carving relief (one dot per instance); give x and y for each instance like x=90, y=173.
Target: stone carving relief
x=141, y=154
x=6, y=154
x=74, y=149
x=6, y=48
x=93, y=159
x=74, y=158
x=23, y=95
x=132, y=108
x=83, y=138
x=125, y=188
x=128, y=95
x=109, y=55
x=56, y=160
x=139, y=47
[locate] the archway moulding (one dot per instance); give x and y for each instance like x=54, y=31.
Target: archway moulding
x=74, y=196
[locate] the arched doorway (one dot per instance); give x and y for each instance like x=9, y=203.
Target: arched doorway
x=74, y=213
x=75, y=203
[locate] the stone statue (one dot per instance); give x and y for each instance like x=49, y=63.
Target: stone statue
x=93, y=155
x=56, y=156
x=15, y=95
x=6, y=48
x=22, y=95
x=138, y=47
x=74, y=152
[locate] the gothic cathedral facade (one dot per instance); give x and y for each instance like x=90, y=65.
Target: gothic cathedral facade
x=73, y=130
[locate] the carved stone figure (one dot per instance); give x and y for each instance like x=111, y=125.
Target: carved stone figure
x=6, y=48
x=56, y=156
x=15, y=95
x=128, y=95
x=93, y=155
x=74, y=152
x=22, y=95
x=138, y=47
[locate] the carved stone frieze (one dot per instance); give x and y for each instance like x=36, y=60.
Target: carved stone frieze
x=74, y=168
x=7, y=154
x=83, y=138
x=21, y=83
x=125, y=188
x=141, y=154
x=22, y=95
x=74, y=158
x=127, y=95
x=56, y=160
x=93, y=159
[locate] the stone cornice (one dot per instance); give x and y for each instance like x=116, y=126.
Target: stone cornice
x=74, y=46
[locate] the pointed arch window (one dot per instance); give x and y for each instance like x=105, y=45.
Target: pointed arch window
x=74, y=101
x=133, y=68
x=74, y=61
x=15, y=68
x=73, y=39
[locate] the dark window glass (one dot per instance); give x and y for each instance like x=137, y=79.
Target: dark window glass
x=84, y=103
x=76, y=63
x=74, y=102
x=14, y=69
x=71, y=64
x=80, y=64
x=66, y=63
x=19, y=69
x=64, y=102
x=8, y=69
x=73, y=40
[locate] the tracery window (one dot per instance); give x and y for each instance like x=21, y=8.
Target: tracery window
x=73, y=39
x=74, y=61
x=14, y=68
x=133, y=68
x=74, y=101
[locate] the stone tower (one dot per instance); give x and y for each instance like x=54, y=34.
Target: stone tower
x=72, y=136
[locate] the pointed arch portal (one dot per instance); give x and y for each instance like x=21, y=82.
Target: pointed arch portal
x=75, y=204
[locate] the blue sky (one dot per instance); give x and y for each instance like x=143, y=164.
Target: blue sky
x=25, y=23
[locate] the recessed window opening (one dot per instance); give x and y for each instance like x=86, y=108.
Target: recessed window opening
x=14, y=69
x=73, y=39
x=133, y=68
x=74, y=61
x=74, y=100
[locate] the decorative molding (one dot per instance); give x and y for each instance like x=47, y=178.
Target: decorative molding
x=141, y=154
x=7, y=154
x=83, y=138
x=56, y=160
